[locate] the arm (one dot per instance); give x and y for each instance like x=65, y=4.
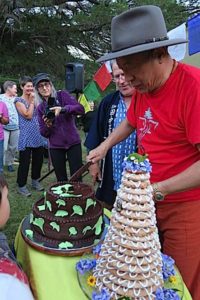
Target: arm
x=186, y=180
x=27, y=113
x=118, y=135
x=4, y=119
x=68, y=104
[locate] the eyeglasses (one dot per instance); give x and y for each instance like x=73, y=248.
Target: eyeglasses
x=117, y=78
x=43, y=85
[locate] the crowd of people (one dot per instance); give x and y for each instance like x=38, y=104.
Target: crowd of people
x=157, y=98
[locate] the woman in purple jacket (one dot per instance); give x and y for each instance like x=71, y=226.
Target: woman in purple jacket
x=56, y=111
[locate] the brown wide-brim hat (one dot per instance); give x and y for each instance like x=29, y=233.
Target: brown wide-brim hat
x=139, y=29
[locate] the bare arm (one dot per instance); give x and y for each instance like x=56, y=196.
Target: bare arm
x=118, y=135
x=26, y=112
x=186, y=180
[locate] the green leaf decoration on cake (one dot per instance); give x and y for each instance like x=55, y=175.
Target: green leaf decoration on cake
x=61, y=213
x=58, y=190
x=65, y=245
x=39, y=222
x=124, y=298
x=86, y=229
x=77, y=210
x=140, y=158
x=29, y=233
x=72, y=231
x=55, y=226
x=60, y=202
x=96, y=241
x=31, y=218
x=98, y=225
x=48, y=204
x=41, y=207
x=89, y=202
x=68, y=195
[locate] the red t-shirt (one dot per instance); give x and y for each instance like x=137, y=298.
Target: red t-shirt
x=168, y=126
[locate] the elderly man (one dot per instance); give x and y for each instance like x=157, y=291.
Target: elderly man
x=111, y=112
x=165, y=111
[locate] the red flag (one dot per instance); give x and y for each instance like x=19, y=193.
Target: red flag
x=103, y=77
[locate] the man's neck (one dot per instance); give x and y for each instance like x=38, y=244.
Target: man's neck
x=127, y=100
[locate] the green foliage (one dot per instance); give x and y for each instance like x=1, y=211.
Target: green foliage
x=34, y=37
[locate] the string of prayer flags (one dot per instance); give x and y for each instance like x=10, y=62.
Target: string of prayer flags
x=194, y=34
x=102, y=77
x=91, y=91
x=178, y=51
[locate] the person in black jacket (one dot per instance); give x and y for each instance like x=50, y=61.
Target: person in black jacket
x=111, y=111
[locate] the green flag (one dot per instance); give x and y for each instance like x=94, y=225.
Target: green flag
x=91, y=91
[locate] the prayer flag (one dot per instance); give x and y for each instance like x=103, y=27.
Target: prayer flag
x=103, y=77
x=178, y=51
x=194, y=34
x=91, y=91
x=83, y=101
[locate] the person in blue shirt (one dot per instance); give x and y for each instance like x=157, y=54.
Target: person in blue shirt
x=111, y=111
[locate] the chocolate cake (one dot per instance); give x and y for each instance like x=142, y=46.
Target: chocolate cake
x=68, y=216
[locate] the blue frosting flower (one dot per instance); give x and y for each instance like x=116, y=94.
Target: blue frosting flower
x=85, y=265
x=135, y=162
x=97, y=249
x=168, y=266
x=170, y=294
x=103, y=295
x=159, y=294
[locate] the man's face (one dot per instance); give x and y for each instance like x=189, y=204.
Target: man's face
x=119, y=78
x=139, y=71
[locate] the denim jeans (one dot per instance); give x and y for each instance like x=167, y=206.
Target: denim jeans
x=1, y=155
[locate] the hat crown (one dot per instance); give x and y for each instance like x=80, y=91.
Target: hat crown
x=140, y=25
x=39, y=77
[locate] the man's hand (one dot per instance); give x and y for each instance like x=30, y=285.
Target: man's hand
x=56, y=110
x=95, y=172
x=98, y=153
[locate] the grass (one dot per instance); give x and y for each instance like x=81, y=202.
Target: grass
x=22, y=206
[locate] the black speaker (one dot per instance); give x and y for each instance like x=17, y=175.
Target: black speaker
x=74, y=78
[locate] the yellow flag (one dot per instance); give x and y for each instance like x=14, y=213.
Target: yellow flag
x=83, y=101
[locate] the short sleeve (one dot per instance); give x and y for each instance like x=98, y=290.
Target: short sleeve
x=131, y=113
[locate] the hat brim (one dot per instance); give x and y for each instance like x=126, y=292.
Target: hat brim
x=140, y=48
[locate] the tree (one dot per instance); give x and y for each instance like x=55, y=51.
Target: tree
x=37, y=35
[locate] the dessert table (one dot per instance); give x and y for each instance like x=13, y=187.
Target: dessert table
x=53, y=277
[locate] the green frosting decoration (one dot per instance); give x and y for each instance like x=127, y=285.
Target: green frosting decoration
x=39, y=222
x=55, y=226
x=61, y=213
x=97, y=226
x=89, y=202
x=72, y=231
x=31, y=218
x=49, y=205
x=68, y=195
x=29, y=233
x=58, y=190
x=86, y=229
x=60, y=202
x=65, y=245
x=77, y=210
x=41, y=207
x=140, y=158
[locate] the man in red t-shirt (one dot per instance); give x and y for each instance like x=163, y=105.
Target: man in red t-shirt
x=166, y=113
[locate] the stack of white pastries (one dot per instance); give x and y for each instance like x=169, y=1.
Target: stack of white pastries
x=130, y=262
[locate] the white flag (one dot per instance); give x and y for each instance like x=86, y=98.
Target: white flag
x=178, y=51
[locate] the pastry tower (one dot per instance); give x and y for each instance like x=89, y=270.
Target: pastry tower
x=130, y=263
